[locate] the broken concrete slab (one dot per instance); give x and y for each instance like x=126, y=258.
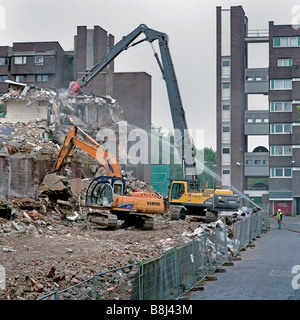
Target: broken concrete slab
x=52, y=182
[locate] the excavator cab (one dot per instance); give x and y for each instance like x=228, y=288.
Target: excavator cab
x=101, y=191
x=177, y=190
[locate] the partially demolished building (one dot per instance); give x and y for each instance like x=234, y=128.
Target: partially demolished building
x=35, y=126
x=48, y=65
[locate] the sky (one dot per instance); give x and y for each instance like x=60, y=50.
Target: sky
x=190, y=25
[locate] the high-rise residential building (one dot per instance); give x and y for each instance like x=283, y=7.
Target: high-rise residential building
x=258, y=133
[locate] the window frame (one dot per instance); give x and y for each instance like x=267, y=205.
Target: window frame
x=23, y=60
x=42, y=77
x=37, y=62
x=275, y=82
x=290, y=42
x=226, y=150
x=281, y=62
x=273, y=129
x=1, y=76
x=6, y=62
x=20, y=75
x=284, y=175
x=283, y=106
x=274, y=148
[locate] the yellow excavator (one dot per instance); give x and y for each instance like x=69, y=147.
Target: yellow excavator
x=185, y=193
x=105, y=195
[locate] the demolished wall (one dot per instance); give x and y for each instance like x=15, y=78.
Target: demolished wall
x=29, y=145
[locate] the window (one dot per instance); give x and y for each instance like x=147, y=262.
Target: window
x=226, y=150
x=257, y=120
x=225, y=63
x=177, y=190
x=281, y=173
x=249, y=120
x=3, y=61
x=284, y=62
x=249, y=161
x=3, y=78
x=226, y=128
x=279, y=128
x=20, y=78
x=279, y=106
x=226, y=85
x=281, y=151
x=257, y=161
x=38, y=60
x=281, y=84
x=226, y=171
x=226, y=107
x=286, y=42
x=20, y=60
x=41, y=78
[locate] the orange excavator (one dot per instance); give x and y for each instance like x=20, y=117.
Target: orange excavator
x=105, y=195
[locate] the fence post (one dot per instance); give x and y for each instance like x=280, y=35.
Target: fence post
x=161, y=282
x=141, y=273
x=216, y=246
x=95, y=280
x=56, y=294
x=176, y=271
x=193, y=262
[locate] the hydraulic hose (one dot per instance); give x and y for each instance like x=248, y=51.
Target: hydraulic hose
x=289, y=229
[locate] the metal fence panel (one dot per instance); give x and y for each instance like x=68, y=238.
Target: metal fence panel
x=174, y=272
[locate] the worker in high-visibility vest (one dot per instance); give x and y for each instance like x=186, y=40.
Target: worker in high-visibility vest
x=278, y=215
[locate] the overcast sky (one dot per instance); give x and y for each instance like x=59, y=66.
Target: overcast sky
x=190, y=25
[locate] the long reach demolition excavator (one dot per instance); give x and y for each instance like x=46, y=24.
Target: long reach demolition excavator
x=187, y=193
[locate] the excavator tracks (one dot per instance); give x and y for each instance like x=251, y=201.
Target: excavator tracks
x=109, y=221
x=139, y=221
x=103, y=220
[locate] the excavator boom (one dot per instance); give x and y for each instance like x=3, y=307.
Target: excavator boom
x=93, y=148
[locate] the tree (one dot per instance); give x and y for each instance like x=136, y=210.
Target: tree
x=176, y=170
x=210, y=161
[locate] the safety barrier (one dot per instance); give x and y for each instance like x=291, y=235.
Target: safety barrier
x=248, y=229
x=172, y=273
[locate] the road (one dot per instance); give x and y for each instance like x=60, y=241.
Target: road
x=264, y=272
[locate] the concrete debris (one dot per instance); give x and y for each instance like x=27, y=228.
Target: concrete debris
x=60, y=110
x=135, y=185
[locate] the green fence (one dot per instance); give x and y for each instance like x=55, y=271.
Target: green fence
x=160, y=175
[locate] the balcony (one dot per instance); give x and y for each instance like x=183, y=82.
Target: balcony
x=257, y=36
x=257, y=164
x=257, y=122
x=257, y=80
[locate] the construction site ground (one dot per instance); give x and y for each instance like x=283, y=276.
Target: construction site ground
x=53, y=252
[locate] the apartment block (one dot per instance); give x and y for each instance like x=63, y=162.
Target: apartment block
x=48, y=65
x=258, y=142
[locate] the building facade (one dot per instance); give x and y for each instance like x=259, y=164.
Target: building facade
x=47, y=65
x=267, y=173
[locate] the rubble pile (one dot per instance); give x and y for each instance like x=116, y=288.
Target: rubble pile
x=135, y=185
x=225, y=221
x=90, y=112
x=30, y=137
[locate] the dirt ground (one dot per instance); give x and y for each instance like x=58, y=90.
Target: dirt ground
x=54, y=253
